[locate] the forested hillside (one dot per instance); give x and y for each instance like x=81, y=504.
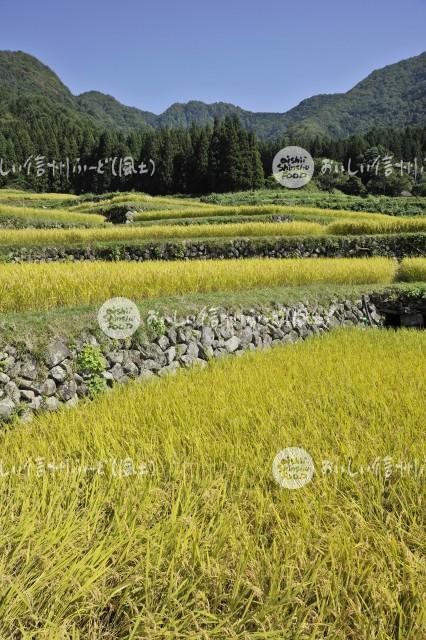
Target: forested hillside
x=194, y=147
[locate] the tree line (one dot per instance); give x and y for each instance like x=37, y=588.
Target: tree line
x=197, y=160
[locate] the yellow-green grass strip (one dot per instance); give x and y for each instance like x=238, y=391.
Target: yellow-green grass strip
x=49, y=285
x=143, y=201
x=387, y=224
x=12, y=194
x=413, y=270
x=196, y=212
x=63, y=237
x=62, y=216
x=124, y=196
x=207, y=544
x=167, y=201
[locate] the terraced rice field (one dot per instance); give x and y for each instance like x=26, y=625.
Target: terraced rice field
x=299, y=212
x=176, y=218
x=367, y=227
x=32, y=216
x=184, y=533
x=64, y=237
x=11, y=195
x=152, y=510
x=413, y=270
x=45, y=286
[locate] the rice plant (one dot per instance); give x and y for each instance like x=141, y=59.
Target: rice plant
x=48, y=285
x=22, y=237
x=34, y=216
x=413, y=270
x=296, y=212
x=153, y=511
x=17, y=195
x=385, y=225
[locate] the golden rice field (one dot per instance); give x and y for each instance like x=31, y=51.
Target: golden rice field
x=152, y=513
x=216, y=210
x=142, y=200
x=160, y=200
x=413, y=270
x=62, y=216
x=15, y=194
x=104, y=232
x=388, y=225
x=109, y=233
x=64, y=237
x=165, y=210
x=198, y=541
x=39, y=286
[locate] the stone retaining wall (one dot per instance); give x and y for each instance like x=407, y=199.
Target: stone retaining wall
x=69, y=371
x=394, y=246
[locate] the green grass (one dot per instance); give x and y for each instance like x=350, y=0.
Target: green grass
x=397, y=206
x=30, y=329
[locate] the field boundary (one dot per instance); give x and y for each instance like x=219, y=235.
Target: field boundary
x=393, y=246
x=67, y=371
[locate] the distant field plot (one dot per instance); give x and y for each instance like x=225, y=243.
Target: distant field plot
x=24, y=216
x=44, y=286
x=158, y=230
x=63, y=237
x=369, y=227
x=397, y=206
x=103, y=204
x=155, y=218
x=296, y=212
x=413, y=270
x=16, y=196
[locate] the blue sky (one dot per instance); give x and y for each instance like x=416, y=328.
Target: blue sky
x=262, y=56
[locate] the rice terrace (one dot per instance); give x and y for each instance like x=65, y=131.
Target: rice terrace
x=213, y=371
x=160, y=490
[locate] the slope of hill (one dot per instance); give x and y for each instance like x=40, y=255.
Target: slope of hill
x=109, y=112
x=394, y=97
x=22, y=74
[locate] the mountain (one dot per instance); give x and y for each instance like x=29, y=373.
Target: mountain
x=394, y=97
x=109, y=112
x=22, y=74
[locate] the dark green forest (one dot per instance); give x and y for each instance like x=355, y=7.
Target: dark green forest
x=198, y=160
